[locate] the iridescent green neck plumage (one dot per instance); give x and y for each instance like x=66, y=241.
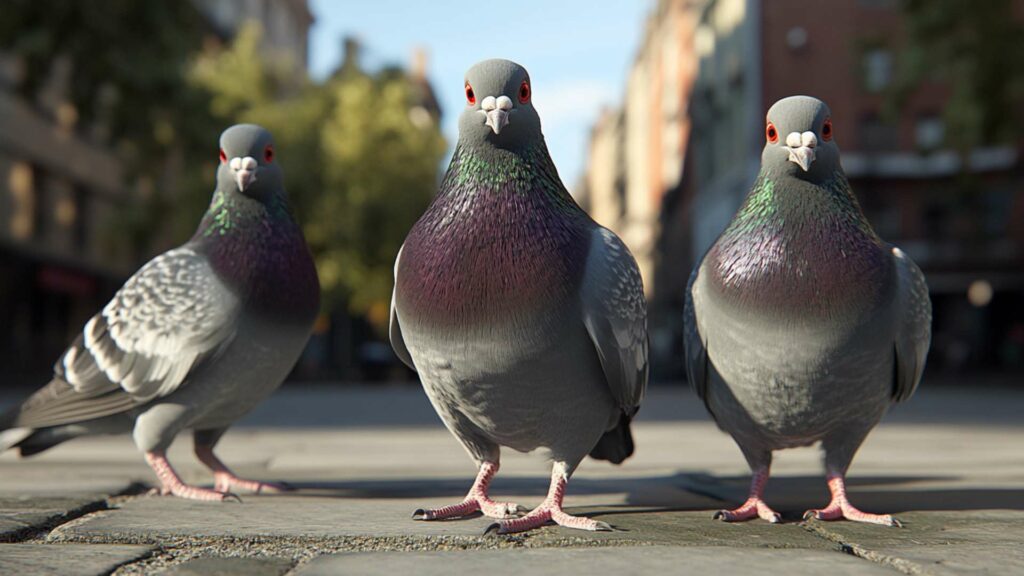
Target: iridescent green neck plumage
x=231, y=212
x=484, y=168
x=790, y=205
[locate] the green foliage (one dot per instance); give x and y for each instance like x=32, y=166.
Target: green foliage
x=359, y=168
x=382, y=174
x=977, y=49
x=126, y=60
x=360, y=163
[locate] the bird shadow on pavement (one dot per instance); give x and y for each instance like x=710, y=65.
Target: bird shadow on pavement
x=691, y=491
x=889, y=494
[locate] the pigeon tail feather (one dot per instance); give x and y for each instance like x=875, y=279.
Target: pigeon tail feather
x=616, y=444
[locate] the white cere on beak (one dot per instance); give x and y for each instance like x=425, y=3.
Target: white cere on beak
x=496, y=110
x=801, y=148
x=245, y=171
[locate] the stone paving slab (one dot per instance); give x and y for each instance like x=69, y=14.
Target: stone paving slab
x=953, y=542
x=230, y=567
x=956, y=484
x=21, y=516
x=320, y=514
x=619, y=560
x=67, y=559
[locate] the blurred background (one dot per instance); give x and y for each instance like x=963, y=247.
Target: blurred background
x=653, y=110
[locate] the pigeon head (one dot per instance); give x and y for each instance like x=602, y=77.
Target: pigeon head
x=799, y=139
x=247, y=162
x=499, y=106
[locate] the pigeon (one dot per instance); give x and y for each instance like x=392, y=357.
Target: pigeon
x=196, y=338
x=801, y=325
x=525, y=319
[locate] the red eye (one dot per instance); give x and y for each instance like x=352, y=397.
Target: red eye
x=524, y=92
x=470, y=96
x=771, y=133
x=826, y=130
x=268, y=154
x=223, y=157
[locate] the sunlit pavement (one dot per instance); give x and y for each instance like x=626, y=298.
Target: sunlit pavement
x=949, y=464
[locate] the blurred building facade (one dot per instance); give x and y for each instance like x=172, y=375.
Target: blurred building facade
x=60, y=186
x=636, y=152
x=745, y=56
x=285, y=24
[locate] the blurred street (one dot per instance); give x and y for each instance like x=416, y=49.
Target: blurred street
x=948, y=464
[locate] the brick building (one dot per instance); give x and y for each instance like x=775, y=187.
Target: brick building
x=970, y=242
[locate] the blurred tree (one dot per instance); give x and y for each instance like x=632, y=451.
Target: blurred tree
x=384, y=155
x=125, y=61
x=360, y=160
x=977, y=49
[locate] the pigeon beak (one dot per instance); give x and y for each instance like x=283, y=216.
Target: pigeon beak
x=245, y=171
x=497, y=111
x=801, y=148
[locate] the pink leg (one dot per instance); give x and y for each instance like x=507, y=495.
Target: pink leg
x=550, y=509
x=754, y=507
x=171, y=483
x=225, y=479
x=840, y=506
x=477, y=499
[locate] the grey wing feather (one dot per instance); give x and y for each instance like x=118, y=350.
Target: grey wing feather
x=913, y=327
x=394, y=329
x=615, y=315
x=694, y=344
x=169, y=317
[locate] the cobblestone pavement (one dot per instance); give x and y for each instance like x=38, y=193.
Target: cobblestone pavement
x=949, y=464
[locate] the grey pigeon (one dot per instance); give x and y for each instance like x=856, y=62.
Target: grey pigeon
x=525, y=320
x=197, y=337
x=801, y=324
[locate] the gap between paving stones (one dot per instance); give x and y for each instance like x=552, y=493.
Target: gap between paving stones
x=38, y=533
x=854, y=549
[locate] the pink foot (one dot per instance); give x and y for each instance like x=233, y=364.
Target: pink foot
x=752, y=508
x=550, y=510
x=541, y=515
x=225, y=479
x=476, y=500
x=841, y=508
x=171, y=483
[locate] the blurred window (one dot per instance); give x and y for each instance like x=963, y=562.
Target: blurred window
x=877, y=135
x=929, y=132
x=936, y=222
x=83, y=221
x=40, y=217
x=877, y=69
x=22, y=201
x=881, y=4
x=998, y=211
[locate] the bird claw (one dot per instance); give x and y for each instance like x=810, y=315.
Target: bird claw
x=231, y=497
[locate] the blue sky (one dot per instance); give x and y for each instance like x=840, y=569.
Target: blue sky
x=578, y=53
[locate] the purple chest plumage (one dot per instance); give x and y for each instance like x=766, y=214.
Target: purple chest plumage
x=264, y=258
x=490, y=256
x=811, y=254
